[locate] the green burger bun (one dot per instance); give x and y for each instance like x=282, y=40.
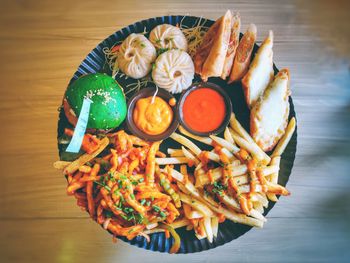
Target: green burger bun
x=108, y=108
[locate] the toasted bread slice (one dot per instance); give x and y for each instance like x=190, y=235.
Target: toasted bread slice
x=269, y=116
x=214, y=63
x=260, y=72
x=232, y=46
x=243, y=54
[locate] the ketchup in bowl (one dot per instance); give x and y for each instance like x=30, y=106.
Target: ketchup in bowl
x=204, y=109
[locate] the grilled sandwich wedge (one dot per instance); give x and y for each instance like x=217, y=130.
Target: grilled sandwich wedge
x=269, y=116
x=232, y=47
x=260, y=72
x=210, y=57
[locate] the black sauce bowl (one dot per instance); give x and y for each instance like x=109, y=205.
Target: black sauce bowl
x=221, y=91
x=144, y=93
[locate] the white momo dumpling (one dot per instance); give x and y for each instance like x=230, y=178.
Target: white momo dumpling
x=168, y=36
x=173, y=71
x=136, y=55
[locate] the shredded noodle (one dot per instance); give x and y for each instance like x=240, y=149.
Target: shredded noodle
x=194, y=34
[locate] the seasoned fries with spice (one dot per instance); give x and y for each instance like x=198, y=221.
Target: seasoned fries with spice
x=130, y=191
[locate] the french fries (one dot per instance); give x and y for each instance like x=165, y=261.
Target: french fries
x=60, y=165
x=74, y=166
x=215, y=226
x=175, y=152
x=171, y=160
x=186, y=142
x=229, y=146
x=190, y=156
x=203, y=179
x=228, y=136
x=237, y=127
x=194, y=148
x=237, y=217
x=208, y=229
x=177, y=224
x=274, y=177
x=197, y=205
x=282, y=144
x=197, y=202
x=205, y=140
x=235, y=181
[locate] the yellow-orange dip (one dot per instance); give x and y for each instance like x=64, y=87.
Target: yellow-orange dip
x=152, y=118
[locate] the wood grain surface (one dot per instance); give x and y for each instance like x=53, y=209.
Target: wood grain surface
x=43, y=42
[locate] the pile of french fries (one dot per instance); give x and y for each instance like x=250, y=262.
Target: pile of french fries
x=233, y=181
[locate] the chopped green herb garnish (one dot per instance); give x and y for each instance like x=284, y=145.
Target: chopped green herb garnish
x=156, y=208
x=143, y=201
x=219, y=188
x=134, y=183
x=123, y=177
x=162, y=214
x=139, y=218
x=120, y=183
x=141, y=180
x=103, y=185
x=132, y=196
x=128, y=209
x=124, y=216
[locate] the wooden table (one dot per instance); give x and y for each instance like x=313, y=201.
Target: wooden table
x=41, y=45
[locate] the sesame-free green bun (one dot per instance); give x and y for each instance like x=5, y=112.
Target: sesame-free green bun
x=108, y=108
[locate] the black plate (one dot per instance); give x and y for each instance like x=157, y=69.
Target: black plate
x=228, y=231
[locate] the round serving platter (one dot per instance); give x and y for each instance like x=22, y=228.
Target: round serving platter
x=95, y=61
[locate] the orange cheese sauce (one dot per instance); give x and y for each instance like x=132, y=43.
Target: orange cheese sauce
x=152, y=118
x=204, y=110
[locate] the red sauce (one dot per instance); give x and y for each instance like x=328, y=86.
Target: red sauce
x=204, y=110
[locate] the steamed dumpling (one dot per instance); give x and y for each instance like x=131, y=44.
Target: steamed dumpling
x=168, y=37
x=136, y=55
x=173, y=71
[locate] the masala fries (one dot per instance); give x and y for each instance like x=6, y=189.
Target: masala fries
x=73, y=166
x=235, y=181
